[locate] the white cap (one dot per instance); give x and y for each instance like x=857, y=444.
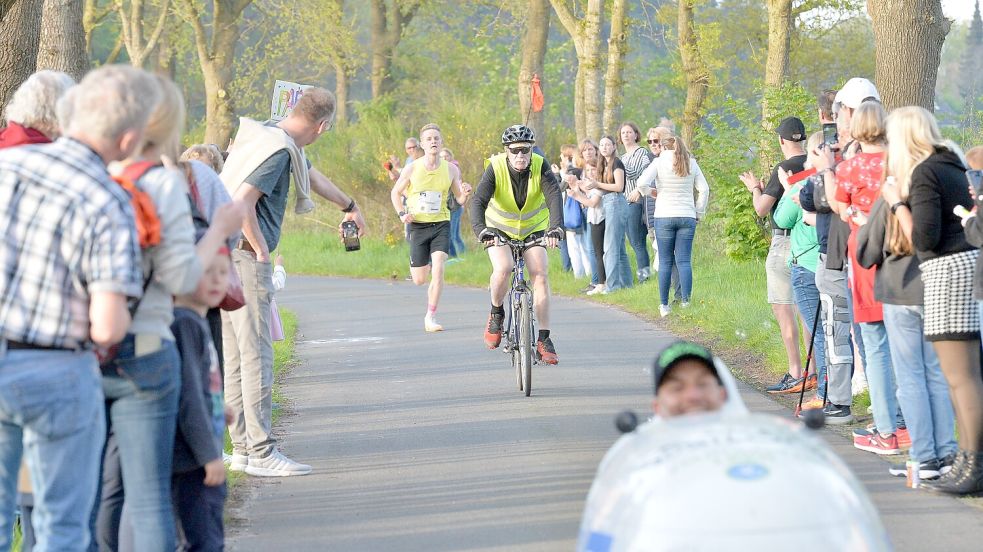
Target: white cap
x=854, y=92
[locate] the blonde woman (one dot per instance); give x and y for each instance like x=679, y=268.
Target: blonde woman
x=928, y=183
x=142, y=383
x=674, y=176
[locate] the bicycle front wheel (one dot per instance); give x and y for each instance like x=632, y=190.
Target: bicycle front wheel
x=525, y=341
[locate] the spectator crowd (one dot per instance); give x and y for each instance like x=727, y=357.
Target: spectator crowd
x=119, y=373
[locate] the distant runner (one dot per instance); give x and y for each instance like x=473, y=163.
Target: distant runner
x=426, y=183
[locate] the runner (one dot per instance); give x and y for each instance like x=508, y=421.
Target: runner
x=518, y=198
x=425, y=183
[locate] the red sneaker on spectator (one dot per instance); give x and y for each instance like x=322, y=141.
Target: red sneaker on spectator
x=877, y=443
x=904, y=439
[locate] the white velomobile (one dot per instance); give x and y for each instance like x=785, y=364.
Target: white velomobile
x=727, y=481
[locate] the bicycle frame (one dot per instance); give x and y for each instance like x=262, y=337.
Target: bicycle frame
x=517, y=286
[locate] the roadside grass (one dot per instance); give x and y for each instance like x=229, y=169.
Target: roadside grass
x=283, y=359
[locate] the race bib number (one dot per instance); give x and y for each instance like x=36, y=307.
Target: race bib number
x=430, y=202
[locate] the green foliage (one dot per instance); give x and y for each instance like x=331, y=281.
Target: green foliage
x=732, y=141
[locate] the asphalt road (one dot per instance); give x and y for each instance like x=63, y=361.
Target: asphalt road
x=423, y=442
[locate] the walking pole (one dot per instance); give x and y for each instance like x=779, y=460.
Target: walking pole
x=805, y=374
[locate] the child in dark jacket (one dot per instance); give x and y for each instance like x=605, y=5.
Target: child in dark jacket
x=198, y=483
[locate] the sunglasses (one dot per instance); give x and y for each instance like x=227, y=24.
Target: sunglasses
x=653, y=142
x=522, y=150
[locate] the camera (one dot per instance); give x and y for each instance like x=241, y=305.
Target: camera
x=830, y=137
x=349, y=235
x=388, y=165
x=975, y=177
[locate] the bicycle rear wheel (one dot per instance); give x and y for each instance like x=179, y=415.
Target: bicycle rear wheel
x=525, y=341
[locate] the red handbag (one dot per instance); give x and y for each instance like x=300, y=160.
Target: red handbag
x=234, y=298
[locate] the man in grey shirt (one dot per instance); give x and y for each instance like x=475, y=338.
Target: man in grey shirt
x=247, y=344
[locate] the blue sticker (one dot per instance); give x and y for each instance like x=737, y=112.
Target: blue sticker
x=599, y=542
x=747, y=472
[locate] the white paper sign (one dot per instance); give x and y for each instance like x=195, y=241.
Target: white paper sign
x=285, y=96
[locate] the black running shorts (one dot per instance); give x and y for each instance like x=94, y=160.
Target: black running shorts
x=426, y=238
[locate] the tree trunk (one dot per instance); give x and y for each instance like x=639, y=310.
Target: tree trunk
x=20, y=31
x=341, y=94
x=533, y=62
x=216, y=55
x=93, y=14
x=586, y=34
x=387, y=27
x=908, y=39
x=614, y=76
x=62, y=40
x=4, y=7
x=695, y=70
x=779, y=38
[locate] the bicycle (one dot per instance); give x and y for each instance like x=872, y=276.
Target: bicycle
x=519, y=325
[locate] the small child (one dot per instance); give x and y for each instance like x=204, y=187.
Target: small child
x=198, y=482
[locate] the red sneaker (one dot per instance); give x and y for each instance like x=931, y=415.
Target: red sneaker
x=877, y=443
x=493, y=333
x=546, y=352
x=904, y=439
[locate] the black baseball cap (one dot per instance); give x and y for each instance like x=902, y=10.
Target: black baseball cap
x=682, y=350
x=791, y=128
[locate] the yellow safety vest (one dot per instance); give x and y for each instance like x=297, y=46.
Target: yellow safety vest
x=426, y=196
x=504, y=213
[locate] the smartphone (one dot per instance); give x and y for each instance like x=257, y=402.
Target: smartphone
x=975, y=177
x=830, y=138
x=349, y=232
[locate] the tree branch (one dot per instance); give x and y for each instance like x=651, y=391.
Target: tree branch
x=201, y=42
x=155, y=36
x=566, y=18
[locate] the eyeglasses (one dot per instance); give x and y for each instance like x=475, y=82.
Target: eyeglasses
x=653, y=142
x=521, y=150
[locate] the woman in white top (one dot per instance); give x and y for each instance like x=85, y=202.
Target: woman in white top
x=672, y=178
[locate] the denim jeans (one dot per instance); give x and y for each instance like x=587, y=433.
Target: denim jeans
x=565, y=257
x=637, y=231
x=456, y=244
x=806, y=296
x=880, y=376
x=616, y=265
x=592, y=257
x=923, y=392
x=675, y=237
x=51, y=411
x=141, y=407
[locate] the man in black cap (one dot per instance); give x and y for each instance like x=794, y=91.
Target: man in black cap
x=687, y=381
x=791, y=136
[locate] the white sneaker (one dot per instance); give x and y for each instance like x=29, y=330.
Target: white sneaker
x=684, y=304
x=235, y=462
x=276, y=465
x=430, y=324
x=599, y=288
x=664, y=310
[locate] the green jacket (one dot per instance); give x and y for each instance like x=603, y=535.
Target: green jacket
x=805, y=243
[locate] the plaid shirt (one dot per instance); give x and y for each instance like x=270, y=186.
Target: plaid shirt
x=68, y=231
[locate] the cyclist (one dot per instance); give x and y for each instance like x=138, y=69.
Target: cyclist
x=518, y=198
x=425, y=183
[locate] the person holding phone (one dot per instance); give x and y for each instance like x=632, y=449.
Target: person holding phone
x=972, y=224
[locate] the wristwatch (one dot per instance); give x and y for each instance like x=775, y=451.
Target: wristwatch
x=894, y=208
x=401, y=214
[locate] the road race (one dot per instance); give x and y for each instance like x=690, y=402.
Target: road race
x=637, y=275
